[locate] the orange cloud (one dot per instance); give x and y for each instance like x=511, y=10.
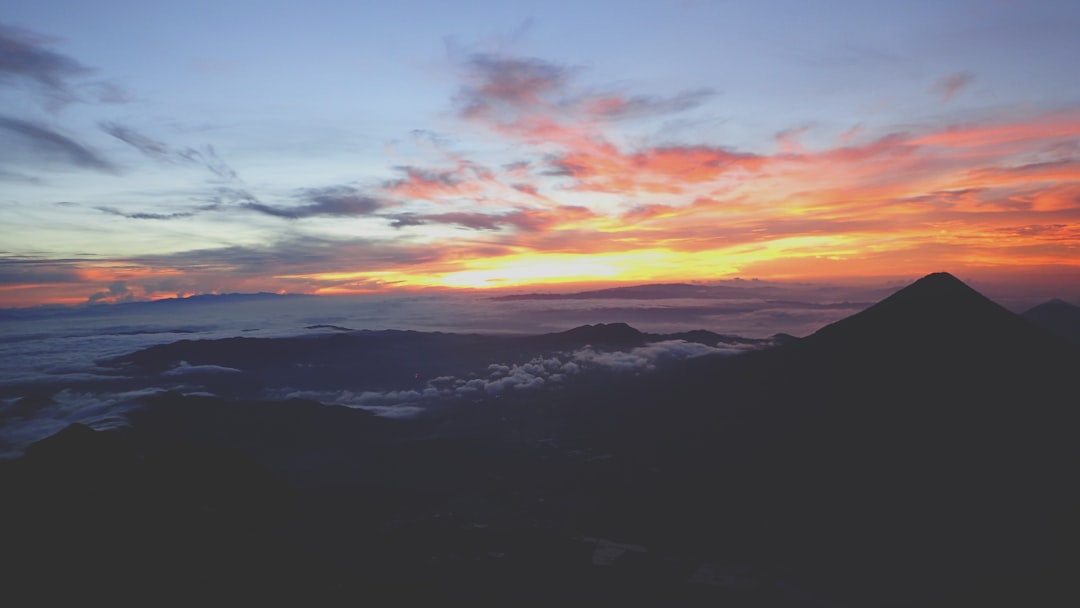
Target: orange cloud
x=668, y=169
x=999, y=138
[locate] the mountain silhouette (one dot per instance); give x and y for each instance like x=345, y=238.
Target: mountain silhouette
x=939, y=308
x=920, y=445
x=936, y=301
x=1058, y=317
x=936, y=343
x=919, y=452
x=609, y=335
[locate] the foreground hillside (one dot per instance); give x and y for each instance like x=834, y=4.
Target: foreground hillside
x=919, y=452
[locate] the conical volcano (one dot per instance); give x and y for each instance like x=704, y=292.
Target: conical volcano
x=937, y=309
x=927, y=441
x=935, y=340
x=933, y=358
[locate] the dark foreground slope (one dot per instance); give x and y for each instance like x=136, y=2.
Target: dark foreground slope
x=115, y=518
x=918, y=453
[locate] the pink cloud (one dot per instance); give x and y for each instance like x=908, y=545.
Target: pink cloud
x=948, y=86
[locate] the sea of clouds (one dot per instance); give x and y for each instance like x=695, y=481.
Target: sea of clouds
x=53, y=357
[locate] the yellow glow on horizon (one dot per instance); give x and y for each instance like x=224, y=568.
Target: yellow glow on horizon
x=785, y=258
x=557, y=268
x=552, y=268
x=518, y=270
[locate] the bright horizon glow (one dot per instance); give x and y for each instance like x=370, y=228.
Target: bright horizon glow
x=340, y=150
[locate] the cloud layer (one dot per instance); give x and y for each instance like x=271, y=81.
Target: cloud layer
x=504, y=379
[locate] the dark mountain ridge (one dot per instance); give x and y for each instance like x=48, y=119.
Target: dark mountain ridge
x=737, y=289
x=933, y=419
x=920, y=452
x=154, y=306
x=378, y=360
x=656, y=291
x=1058, y=317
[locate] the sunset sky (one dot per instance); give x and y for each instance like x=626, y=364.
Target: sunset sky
x=152, y=149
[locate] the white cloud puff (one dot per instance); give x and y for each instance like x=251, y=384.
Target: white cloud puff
x=504, y=379
x=186, y=369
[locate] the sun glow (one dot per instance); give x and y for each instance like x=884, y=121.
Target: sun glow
x=645, y=265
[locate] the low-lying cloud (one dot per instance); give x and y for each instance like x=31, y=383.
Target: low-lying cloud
x=504, y=379
x=184, y=368
x=22, y=424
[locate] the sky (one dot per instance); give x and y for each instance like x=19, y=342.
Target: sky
x=152, y=150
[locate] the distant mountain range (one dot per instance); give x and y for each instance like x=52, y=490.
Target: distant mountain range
x=920, y=452
x=379, y=360
x=657, y=291
x=186, y=302
x=671, y=291
x=1057, y=316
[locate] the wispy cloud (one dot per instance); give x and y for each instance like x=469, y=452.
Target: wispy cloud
x=142, y=143
x=142, y=215
x=466, y=179
x=158, y=150
x=17, y=271
x=498, y=88
x=338, y=201
x=644, y=106
x=47, y=145
x=229, y=189
x=949, y=86
x=512, y=92
x=26, y=58
x=304, y=263
x=527, y=220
